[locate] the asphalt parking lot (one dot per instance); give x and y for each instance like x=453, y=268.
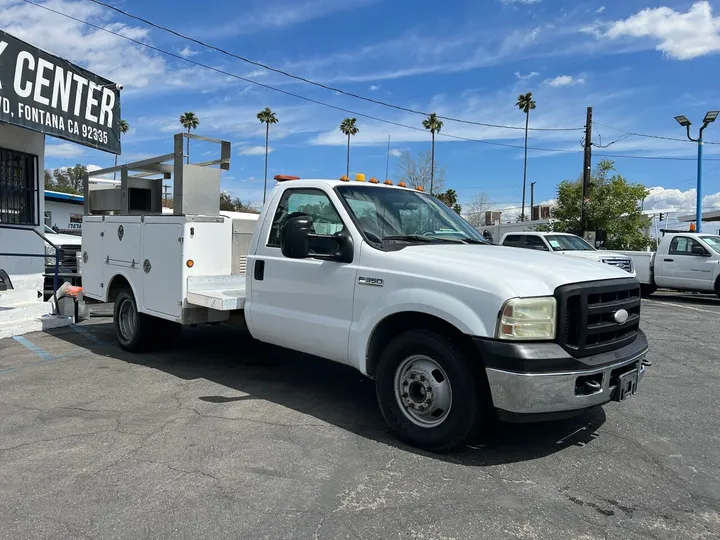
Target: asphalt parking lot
x=221, y=437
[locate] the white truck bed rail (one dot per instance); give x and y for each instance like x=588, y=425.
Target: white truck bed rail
x=221, y=293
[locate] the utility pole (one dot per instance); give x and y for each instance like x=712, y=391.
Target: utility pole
x=587, y=164
x=532, y=199
x=387, y=159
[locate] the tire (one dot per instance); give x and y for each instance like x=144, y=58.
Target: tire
x=428, y=392
x=647, y=290
x=134, y=330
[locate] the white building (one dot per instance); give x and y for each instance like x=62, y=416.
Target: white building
x=41, y=95
x=64, y=212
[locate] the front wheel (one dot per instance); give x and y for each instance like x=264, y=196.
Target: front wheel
x=428, y=392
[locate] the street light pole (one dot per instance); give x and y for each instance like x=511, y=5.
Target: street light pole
x=683, y=121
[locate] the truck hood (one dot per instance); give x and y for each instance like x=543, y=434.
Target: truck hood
x=64, y=239
x=591, y=255
x=526, y=272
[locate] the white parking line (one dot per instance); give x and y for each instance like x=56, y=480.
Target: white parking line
x=686, y=307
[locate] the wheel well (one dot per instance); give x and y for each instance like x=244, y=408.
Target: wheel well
x=117, y=284
x=396, y=324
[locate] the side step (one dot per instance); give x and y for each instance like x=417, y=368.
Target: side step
x=221, y=293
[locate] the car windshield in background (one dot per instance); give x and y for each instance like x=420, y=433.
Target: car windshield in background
x=403, y=215
x=713, y=242
x=561, y=242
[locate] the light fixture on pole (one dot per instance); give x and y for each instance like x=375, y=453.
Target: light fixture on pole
x=684, y=122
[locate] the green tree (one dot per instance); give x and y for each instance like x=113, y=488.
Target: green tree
x=124, y=128
x=449, y=198
x=433, y=124
x=266, y=117
x=229, y=203
x=613, y=206
x=349, y=128
x=525, y=103
x=66, y=180
x=189, y=121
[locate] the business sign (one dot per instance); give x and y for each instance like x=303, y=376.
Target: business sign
x=45, y=93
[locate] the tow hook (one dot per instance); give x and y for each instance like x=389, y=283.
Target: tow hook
x=593, y=385
x=646, y=363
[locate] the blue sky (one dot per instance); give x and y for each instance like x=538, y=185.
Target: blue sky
x=637, y=63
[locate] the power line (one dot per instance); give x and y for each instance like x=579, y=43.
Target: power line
x=309, y=81
x=628, y=133
x=324, y=104
x=620, y=156
x=292, y=94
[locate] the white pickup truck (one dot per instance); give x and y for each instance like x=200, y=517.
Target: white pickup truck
x=454, y=331
x=566, y=244
x=684, y=261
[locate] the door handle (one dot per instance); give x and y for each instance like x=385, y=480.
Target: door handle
x=259, y=270
x=668, y=260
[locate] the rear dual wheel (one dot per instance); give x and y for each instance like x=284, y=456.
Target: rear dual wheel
x=429, y=393
x=137, y=332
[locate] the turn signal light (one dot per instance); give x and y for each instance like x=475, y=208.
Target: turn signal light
x=344, y=178
x=402, y=184
x=190, y=263
x=374, y=180
x=388, y=182
x=419, y=188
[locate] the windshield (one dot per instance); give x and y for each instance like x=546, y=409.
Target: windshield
x=48, y=230
x=387, y=215
x=713, y=242
x=561, y=242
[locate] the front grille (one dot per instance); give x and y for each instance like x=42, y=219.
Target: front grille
x=586, y=315
x=69, y=256
x=621, y=262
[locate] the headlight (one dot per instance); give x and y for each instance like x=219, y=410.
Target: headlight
x=528, y=319
x=49, y=255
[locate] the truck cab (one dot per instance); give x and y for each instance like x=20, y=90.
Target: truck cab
x=454, y=331
x=566, y=244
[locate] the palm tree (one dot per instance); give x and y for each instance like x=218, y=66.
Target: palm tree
x=525, y=103
x=266, y=117
x=124, y=128
x=349, y=128
x=434, y=125
x=189, y=121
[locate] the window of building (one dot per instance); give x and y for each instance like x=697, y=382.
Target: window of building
x=19, y=194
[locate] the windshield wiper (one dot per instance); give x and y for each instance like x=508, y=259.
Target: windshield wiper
x=469, y=240
x=409, y=238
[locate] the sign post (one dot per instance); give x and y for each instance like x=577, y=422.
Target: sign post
x=43, y=92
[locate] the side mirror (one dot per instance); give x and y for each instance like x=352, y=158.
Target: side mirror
x=294, y=237
x=346, y=247
x=698, y=250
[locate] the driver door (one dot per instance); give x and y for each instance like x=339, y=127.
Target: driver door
x=303, y=304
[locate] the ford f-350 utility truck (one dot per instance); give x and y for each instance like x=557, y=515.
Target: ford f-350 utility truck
x=387, y=279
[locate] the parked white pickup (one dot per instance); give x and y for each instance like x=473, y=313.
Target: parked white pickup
x=683, y=261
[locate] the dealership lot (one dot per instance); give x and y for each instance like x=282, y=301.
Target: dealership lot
x=222, y=437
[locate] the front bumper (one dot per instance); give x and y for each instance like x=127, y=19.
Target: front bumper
x=543, y=379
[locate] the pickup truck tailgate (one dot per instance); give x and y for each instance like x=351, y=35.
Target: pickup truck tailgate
x=222, y=293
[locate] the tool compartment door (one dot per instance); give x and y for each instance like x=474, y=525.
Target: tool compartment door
x=162, y=269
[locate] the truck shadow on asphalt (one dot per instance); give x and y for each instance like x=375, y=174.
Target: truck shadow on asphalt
x=330, y=392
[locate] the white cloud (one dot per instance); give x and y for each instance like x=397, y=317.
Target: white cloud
x=374, y=87
x=564, y=80
x=395, y=152
x=187, y=52
x=527, y=76
x=255, y=150
x=520, y=1
x=681, y=36
x=675, y=200
x=64, y=150
x=600, y=9
x=268, y=16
